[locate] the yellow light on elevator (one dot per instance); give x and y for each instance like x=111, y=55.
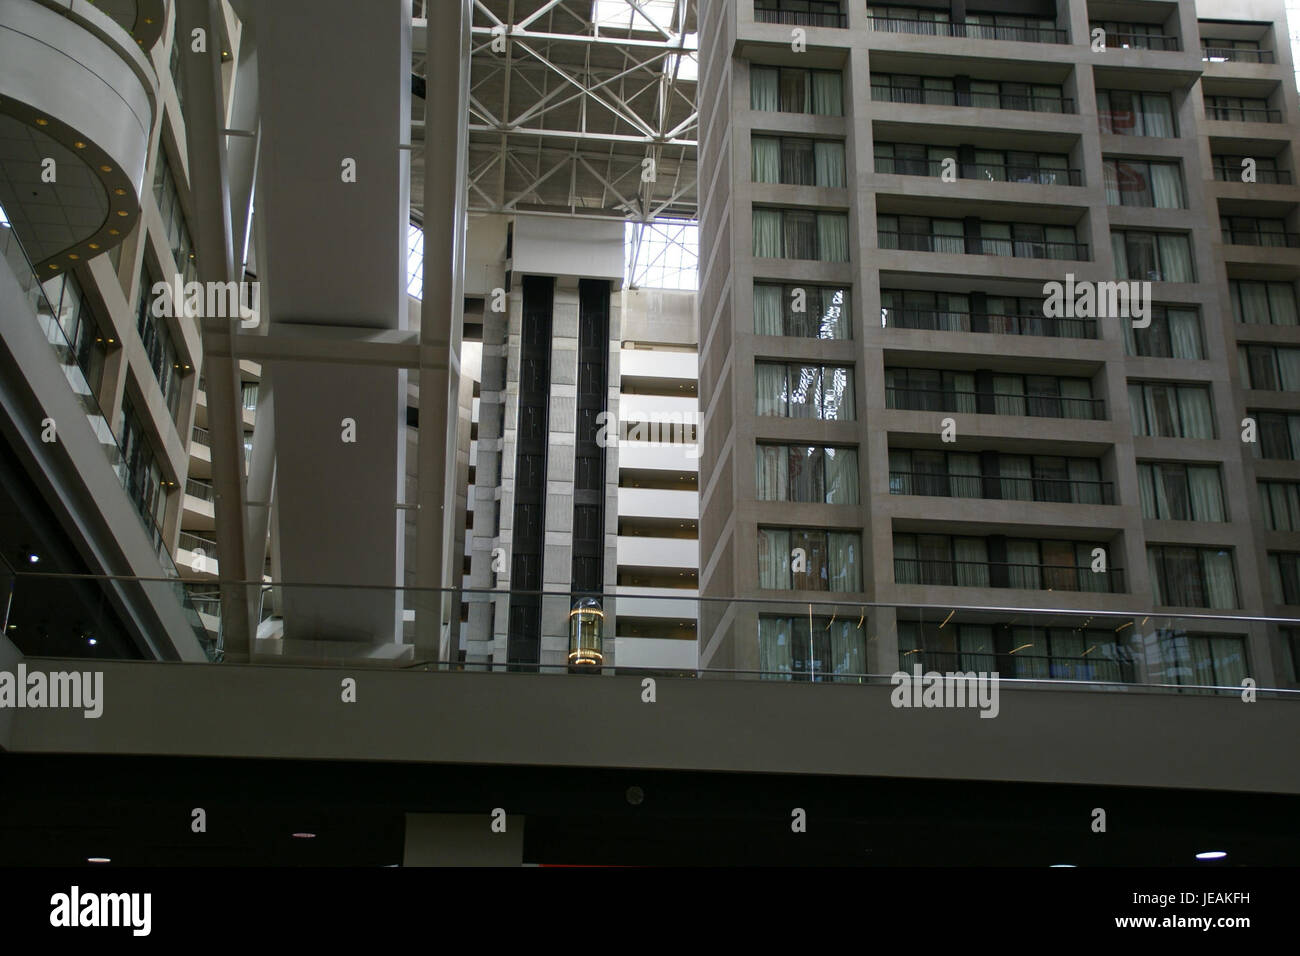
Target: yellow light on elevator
x=586, y=633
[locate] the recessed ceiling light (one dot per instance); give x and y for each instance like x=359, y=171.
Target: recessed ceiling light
x=1056, y=866
x=91, y=641
x=1211, y=855
x=41, y=121
x=304, y=836
x=98, y=859
x=106, y=169
x=121, y=212
x=33, y=558
x=79, y=144
x=94, y=245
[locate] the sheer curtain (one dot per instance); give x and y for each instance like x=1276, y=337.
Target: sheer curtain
x=767, y=310
x=964, y=476
x=1220, y=583
x=1166, y=186
x=828, y=161
x=1016, y=473
x=1008, y=395
x=848, y=648
x=764, y=88
x=771, y=473
x=1281, y=302
x=1184, y=333
x=834, y=314
x=1194, y=412
x=774, y=559
x=770, y=396
x=832, y=237
x=843, y=548
x=827, y=94
x=767, y=233
x=841, y=476
x=1206, y=493
x=1085, y=479
x=1152, y=492
x=1175, y=258
x=1119, y=249
x=1076, y=394
x=972, y=568
x=1110, y=174
x=906, y=567
x=1023, y=570
x=1157, y=115
x=837, y=399
x=774, y=648
x=1288, y=365
x=1250, y=304
x=765, y=159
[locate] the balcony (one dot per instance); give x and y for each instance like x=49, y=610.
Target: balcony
x=968, y=31
x=1273, y=177
x=936, y=320
x=1257, y=237
x=1243, y=114
x=909, y=398
x=999, y=488
x=1000, y=574
x=800, y=18
x=984, y=172
x=1001, y=101
x=1142, y=41
x=1217, y=54
x=971, y=245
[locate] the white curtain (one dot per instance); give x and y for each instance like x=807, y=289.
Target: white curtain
x=848, y=647
x=972, y=568
x=765, y=159
x=1229, y=656
x=1016, y=474
x=1076, y=394
x=828, y=160
x=774, y=648
x=767, y=310
x=773, y=558
x=1206, y=493
x=772, y=473
x=1085, y=476
x=827, y=94
x=770, y=396
x=832, y=237
x=1281, y=302
x=1184, y=333
x=767, y=233
x=1110, y=175
x=1194, y=412
x=1220, y=584
x=1119, y=249
x=1157, y=115
x=1152, y=491
x=1008, y=395
x=764, y=88
x=964, y=476
x=837, y=399
x=1023, y=570
x=835, y=314
x=846, y=573
x=1288, y=366
x=1166, y=186
x=841, y=476
x=906, y=567
x=1175, y=258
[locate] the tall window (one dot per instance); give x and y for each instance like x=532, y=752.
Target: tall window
x=1174, y=332
x=159, y=348
x=144, y=480
x=815, y=13
x=1240, y=109
x=1171, y=410
x=1172, y=491
x=795, y=648
x=1152, y=256
x=173, y=216
x=997, y=475
x=1263, y=303
x=1284, y=569
x=801, y=234
x=797, y=162
x=1192, y=577
x=962, y=561
x=821, y=475
x=1279, y=435
x=1217, y=660
x=786, y=90
x=1279, y=503
x=797, y=559
x=1137, y=182
x=1121, y=35
x=80, y=327
x=1269, y=367
x=994, y=393
x=1127, y=113
x=804, y=391
x=802, y=311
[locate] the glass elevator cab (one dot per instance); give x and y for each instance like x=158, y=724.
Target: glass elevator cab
x=586, y=634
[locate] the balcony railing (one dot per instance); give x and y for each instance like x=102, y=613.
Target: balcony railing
x=200, y=435
x=1002, y=101
x=1232, y=174
x=194, y=542
x=1119, y=670
x=969, y=31
x=1243, y=114
x=1254, y=237
x=987, y=172
x=1217, y=54
x=1000, y=574
x=971, y=245
x=1002, y=488
x=1142, y=41
x=200, y=489
x=937, y=320
x=910, y=398
x=800, y=18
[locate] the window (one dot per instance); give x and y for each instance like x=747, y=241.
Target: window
x=796, y=648
x=1240, y=109
x=773, y=89
x=1229, y=168
x=1126, y=113
x=815, y=13
x=993, y=475
x=802, y=311
x=1174, y=332
x=1192, y=577
x=1263, y=303
x=795, y=559
x=1152, y=256
x=1172, y=491
x=144, y=479
x=944, y=560
x=1038, y=396
x=166, y=194
x=804, y=391
x=1213, y=660
x=1254, y=231
x=1279, y=503
x=158, y=347
x=822, y=475
x=80, y=328
x=1022, y=240
x=797, y=162
x=911, y=20
x=801, y=234
x=1134, y=36
x=1134, y=182
x=1279, y=435
x=1270, y=368
x=1171, y=410
x=988, y=94
x=1284, y=569
x=914, y=159
x=1062, y=653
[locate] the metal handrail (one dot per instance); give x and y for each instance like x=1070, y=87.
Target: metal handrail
x=1062, y=577
x=982, y=246
x=969, y=31
x=1257, y=237
x=1031, y=406
x=1029, y=175
x=948, y=320
x=1165, y=43
x=1211, y=54
x=200, y=489
x=943, y=484
x=1243, y=114
x=1029, y=102
x=1276, y=177
x=800, y=18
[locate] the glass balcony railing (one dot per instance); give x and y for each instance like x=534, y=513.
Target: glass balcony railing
x=1116, y=646
x=51, y=321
